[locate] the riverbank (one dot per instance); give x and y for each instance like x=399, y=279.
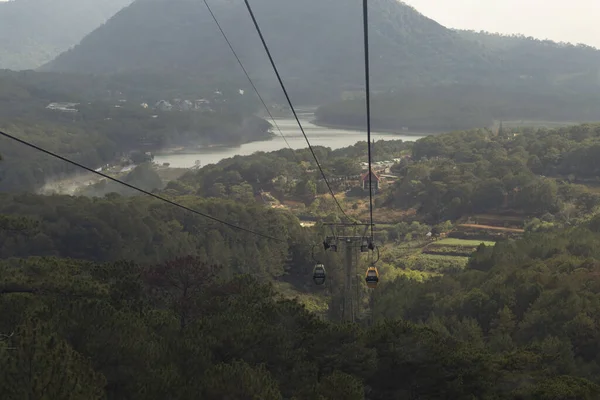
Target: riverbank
x=318, y=136
x=189, y=150
x=383, y=131
x=185, y=158
x=536, y=124
x=183, y=150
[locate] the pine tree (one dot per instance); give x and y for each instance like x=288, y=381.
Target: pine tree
x=38, y=365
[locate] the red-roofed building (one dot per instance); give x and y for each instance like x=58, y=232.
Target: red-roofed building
x=365, y=181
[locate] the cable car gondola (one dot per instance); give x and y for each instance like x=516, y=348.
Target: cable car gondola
x=372, y=277
x=319, y=274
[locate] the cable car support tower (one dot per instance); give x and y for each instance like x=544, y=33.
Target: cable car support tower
x=351, y=245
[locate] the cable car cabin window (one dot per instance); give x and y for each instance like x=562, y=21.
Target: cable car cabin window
x=372, y=276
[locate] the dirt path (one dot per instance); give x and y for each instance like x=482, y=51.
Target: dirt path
x=495, y=228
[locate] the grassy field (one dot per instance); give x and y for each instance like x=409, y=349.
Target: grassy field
x=430, y=259
x=593, y=187
x=499, y=220
x=454, y=247
x=434, y=257
x=462, y=242
x=492, y=228
x=313, y=302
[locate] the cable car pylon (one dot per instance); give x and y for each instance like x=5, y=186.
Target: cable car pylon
x=351, y=243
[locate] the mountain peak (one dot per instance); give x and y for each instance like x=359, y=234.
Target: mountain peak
x=316, y=44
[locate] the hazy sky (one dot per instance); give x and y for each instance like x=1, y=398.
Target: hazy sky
x=560, y=20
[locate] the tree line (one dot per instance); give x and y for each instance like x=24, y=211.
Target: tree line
x=534, y=172
x=459, y=107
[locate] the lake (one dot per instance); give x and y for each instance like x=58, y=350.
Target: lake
x=318, y=136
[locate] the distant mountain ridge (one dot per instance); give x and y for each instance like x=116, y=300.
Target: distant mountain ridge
x=34, y=32
x=312, y=41
x=317, y=45
x=558, y=62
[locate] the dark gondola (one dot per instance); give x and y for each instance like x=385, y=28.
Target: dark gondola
x=319, y=274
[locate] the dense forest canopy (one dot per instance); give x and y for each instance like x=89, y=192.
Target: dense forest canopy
x=169, y=279
x=459, y=107
x=135, y=332
x=532, y=301
x=533, y=172
x=133, y=298
x=541, y=57
x=144, y=230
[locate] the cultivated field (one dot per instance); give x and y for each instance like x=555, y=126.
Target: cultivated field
x=463, y=242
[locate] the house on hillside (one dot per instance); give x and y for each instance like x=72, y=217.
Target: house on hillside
x=374, y=178
x=202, y=105
x=64, y=107
x=163, y=105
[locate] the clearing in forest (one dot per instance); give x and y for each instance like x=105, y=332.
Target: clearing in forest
x=492, y=228
x=462, y=242
x=454, y=247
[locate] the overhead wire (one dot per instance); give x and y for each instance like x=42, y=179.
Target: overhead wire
x=249, y=7
x=368, y=105
x=249, y=79
x=50, y=153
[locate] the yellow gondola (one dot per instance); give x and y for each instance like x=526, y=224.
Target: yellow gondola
x=372, y=277
x=319, y=274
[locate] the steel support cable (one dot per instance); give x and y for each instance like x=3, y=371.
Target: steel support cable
x=368, y=104
x=250, y=79
x=33, y=146
x=258, y=30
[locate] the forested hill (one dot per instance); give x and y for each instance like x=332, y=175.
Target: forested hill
x=578, y=65
x=33, y=32
x=458, y=107
x=111, y=121
x=313, y=43
x=94, y=141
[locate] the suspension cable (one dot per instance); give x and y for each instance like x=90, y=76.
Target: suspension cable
x=368, y=101
x=33, y=146
x=292, y=106
x=250, y=79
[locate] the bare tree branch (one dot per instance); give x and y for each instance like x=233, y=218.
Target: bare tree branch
x=4, y=337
